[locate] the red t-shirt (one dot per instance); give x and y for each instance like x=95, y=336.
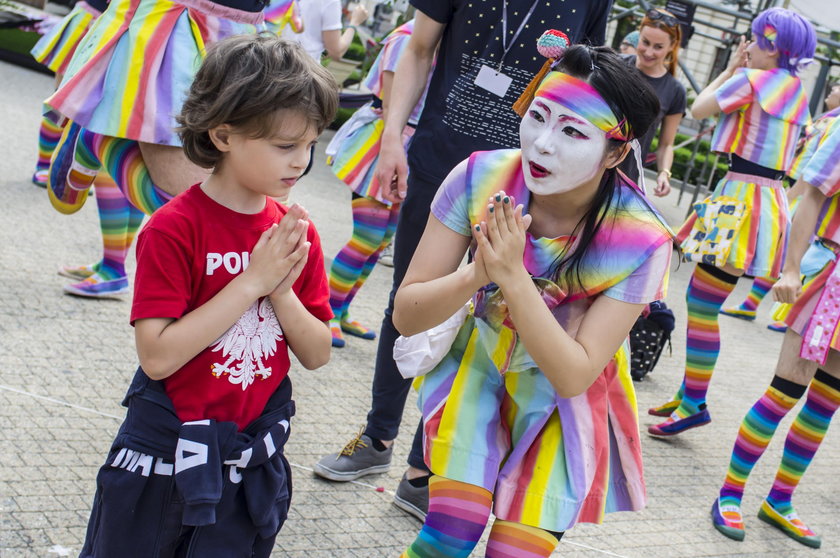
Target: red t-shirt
x=189, y=250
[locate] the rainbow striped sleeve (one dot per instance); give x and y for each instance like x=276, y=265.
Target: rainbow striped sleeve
x=386, y=61
x=393, y=49
x=735, y=93
x=809, y=144
x=451, y=203
x=646, y=283
x=394, y=45
x=823, y=169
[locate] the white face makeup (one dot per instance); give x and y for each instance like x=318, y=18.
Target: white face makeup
x=561, y=150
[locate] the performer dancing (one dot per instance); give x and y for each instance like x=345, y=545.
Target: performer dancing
x=809, y=356
x=762, y=285
x=763, y=108
x=119, y=221
x=353, y=154
x=531, y=411
x=123, y=87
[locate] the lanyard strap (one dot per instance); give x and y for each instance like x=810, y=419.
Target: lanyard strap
x=505, y=45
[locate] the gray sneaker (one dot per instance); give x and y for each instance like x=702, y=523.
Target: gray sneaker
x=386, y=258
x=357, y=459
x=411, y=499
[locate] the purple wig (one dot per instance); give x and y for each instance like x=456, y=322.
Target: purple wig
x=789, y=33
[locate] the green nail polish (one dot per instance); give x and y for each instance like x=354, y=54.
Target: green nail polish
x=498, y=197
x=507, y=199
x=478, y=227
x=491, y=209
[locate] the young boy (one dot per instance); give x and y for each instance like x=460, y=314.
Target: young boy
x=227, y=281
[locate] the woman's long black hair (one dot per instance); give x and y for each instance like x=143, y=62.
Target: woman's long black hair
x=630, y=97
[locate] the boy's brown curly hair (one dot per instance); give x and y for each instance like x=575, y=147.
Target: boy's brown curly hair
x=245, y=81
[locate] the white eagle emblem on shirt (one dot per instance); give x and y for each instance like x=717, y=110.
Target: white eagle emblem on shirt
x=247, y=344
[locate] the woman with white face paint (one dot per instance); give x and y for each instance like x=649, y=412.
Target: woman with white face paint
x=531, y=412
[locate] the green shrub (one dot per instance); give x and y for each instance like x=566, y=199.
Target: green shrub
x=356, y=50
x=682, y=155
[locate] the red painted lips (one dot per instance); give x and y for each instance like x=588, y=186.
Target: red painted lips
x=537, y=171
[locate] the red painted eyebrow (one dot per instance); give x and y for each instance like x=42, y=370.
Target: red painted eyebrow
x=567, y=118
x=563, y=118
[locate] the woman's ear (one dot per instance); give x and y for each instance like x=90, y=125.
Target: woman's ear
x=616, y=156
x=220, y=136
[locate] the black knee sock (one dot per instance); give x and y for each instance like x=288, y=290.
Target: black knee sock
x=718, y=273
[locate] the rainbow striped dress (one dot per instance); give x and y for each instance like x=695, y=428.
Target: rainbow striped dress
x=355, y=148
x=814, y=316
x=133, y=69
x=491, y=418
x=763, y=114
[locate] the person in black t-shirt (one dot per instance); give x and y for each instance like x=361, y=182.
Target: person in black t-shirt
x=656, y=58
x=485, y=60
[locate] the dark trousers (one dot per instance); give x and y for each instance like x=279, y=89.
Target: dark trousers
x=390, y=389
x=137, y=516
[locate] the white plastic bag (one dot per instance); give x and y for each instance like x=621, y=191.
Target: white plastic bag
x=417, y=354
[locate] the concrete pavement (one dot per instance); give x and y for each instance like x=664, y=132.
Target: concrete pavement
x=65, y=363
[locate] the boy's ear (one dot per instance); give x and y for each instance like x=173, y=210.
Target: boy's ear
x=220, y=136
x=617, y=156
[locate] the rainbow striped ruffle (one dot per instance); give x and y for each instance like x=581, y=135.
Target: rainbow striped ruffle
x=355, y=150
x=55, y=49
x=133, y=69
x=780, y=94
x=763, y=114
x=281, y=13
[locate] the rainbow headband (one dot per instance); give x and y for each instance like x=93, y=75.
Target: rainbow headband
x=582, y=98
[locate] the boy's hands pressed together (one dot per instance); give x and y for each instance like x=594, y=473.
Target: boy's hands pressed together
x=301, y=254
x=280, y=254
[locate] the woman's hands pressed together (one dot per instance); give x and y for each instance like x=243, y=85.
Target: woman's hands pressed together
x=501, y=241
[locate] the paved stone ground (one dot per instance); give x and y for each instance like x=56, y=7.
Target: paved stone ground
x=65, y=363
